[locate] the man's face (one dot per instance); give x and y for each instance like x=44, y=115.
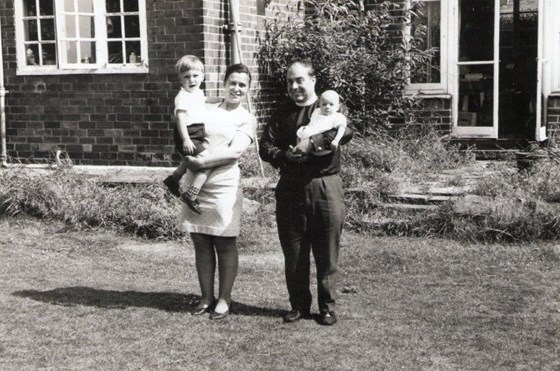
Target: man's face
x=301, y=86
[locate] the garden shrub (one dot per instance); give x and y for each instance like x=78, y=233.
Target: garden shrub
x=360, y=54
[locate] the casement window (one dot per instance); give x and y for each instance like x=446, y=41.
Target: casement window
x=81, y=36
x=428, y=22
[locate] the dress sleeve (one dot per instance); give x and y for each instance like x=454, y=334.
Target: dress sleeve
x=249, y=126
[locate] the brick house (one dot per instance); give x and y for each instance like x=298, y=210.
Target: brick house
x=95, y=78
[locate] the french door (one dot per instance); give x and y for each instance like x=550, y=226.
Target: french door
x=497, y=69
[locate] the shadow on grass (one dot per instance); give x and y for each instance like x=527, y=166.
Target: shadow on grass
x=110, y=299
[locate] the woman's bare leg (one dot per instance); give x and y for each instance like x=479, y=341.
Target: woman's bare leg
x=228, y=260
x=205, y=265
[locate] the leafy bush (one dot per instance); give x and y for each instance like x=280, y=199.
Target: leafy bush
x=360, y=54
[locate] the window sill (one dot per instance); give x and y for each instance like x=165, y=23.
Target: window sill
x=428, y=95
x=82, y=71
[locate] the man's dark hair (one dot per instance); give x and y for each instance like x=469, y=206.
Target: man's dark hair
x=305, y=63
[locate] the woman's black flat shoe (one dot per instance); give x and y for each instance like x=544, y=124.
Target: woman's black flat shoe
x=215, y=315
x=201, y=309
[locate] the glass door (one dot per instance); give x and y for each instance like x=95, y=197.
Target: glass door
x=520, y=70
x=498, y=69
x=477, y=68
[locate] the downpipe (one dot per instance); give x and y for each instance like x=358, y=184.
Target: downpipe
x=3, y=92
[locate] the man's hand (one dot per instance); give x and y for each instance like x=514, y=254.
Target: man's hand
x=295, y=157
x=194, y=164
x=188, y=146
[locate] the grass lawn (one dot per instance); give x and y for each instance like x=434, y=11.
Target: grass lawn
x=100, y=300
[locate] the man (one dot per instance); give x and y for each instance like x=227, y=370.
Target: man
x=309, y=199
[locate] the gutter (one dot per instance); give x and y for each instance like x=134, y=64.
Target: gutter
x=3, y=92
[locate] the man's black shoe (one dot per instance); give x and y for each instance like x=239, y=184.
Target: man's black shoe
x=294, y=316
x=327, y=319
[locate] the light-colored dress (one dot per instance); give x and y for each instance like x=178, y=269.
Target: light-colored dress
x=221, y=197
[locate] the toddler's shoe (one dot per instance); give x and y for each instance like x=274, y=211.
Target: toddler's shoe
x=172, y=184
x=194, y=205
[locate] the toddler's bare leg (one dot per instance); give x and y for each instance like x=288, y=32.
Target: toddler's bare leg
x=181, y=169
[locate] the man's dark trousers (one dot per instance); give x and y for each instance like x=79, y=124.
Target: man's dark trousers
x=310, y=215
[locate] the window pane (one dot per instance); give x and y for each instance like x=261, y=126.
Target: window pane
x=32, y=55
x=72, y=52
x=130, y=5
x=87, y=52
x=133, y=51
x=70, y=26
x=115, y=52
x=476, y=89
x=426, y=29
x=68, y=5
x=29, y=8
x=49, y=54
x=85, y=6
x=476, y=34
x=86, y=27
x=30, y=30
x=47, y=29
x=114, y=27
x=131, y=26
x=113, y=6
x=46, y=7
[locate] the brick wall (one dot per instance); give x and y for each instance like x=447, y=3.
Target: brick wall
x=126, y=119
x=553, y=118
x=102, y=119
x=217, y=47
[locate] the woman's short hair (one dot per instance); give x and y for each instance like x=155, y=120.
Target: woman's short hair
x=187, y=63
x=237, y=68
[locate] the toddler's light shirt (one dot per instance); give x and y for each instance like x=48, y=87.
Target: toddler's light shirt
x=194, y=103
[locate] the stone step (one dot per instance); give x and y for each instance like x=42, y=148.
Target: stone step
x=436, y=190
x=422, y=199
x=409, y=207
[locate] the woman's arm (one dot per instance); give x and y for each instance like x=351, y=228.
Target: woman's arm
x=227, y=155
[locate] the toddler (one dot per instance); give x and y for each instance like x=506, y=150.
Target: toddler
x=323, y=119
x=189, y=134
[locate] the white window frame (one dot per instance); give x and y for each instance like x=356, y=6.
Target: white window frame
x=551, y=48
x=101, y=66
x=442, y=86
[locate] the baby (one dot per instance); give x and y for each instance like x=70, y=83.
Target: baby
x=323, y=119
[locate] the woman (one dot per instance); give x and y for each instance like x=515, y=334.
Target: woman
x=230, y=131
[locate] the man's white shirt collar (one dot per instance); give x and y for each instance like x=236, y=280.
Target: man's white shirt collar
x=308, y=102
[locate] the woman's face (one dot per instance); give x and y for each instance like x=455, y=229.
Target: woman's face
x=236, y=87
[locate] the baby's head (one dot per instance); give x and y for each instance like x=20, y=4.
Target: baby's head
x=329, y=102
x=190, y=71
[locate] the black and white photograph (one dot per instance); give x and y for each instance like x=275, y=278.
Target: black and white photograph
x=279, y=185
